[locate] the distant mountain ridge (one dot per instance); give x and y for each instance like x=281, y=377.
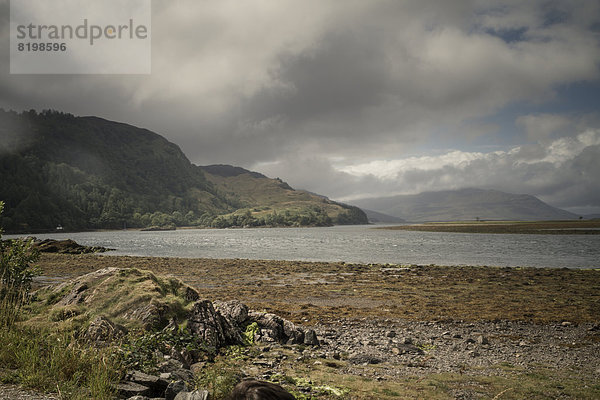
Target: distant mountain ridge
x=465, y=204
x=87, y=172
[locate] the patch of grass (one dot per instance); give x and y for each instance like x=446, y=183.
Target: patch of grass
x=63, y=313
x=220, y=377
x=390, y=393
x=122, y=297
x=56, y=362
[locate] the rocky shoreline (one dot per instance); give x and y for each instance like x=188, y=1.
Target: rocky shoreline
x=386, y=331
x=437, y=347
x=391, y=350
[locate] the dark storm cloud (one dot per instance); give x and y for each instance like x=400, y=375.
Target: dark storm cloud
x=310, y=90
x=343, y=75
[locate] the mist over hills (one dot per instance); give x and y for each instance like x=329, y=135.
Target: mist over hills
x=381, y=218
x=465, y=204
x=88, y=172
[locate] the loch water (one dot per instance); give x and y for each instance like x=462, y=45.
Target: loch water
x=352, y=244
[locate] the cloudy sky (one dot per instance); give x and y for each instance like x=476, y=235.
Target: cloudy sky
x=363, y=98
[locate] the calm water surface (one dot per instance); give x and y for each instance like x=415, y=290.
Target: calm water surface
x=360, y=244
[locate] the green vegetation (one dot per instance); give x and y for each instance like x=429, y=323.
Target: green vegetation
x=139, y=350
x=16, y=274
x=250, y=333
x=134, y=298
x=271, y=202
x=220, y=377
x=90, y=173
x=44, y=359
x=50, y=361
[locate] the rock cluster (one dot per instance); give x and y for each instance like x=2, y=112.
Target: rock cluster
x=218, y=324
x=138, y=298
x=66, y=246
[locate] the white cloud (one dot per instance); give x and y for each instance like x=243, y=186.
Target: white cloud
x=562, y=172
x=542, y=126
x=392, y=169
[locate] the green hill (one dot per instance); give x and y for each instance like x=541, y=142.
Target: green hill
x=273, y=202
x=88, y=173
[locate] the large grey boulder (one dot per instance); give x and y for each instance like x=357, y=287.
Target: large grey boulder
x=234, y=312
x=207, y=324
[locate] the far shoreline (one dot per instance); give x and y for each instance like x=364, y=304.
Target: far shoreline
x=567, y=227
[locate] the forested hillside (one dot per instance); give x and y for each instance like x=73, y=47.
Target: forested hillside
x=88, y=173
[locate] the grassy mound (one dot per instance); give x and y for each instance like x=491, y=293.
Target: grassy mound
x=133, y=298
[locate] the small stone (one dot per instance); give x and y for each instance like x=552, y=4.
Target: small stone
x=144, y=379
x=170, y=365
x=310, y=338
x=174, y=388
x=183, y=375
x=130, y=389
x=390, y=334
x=566, y=323
x=395, y=351
x=482, y=340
